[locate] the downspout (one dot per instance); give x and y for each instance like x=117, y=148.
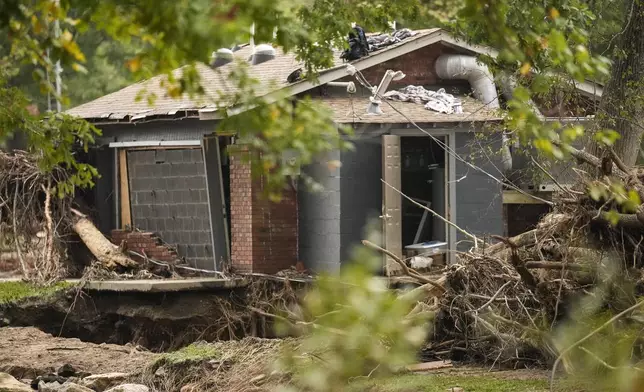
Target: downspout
x=481, y=80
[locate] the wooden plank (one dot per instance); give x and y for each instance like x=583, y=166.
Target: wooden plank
x=124, y=188
x=515, y=197
x=391, y=201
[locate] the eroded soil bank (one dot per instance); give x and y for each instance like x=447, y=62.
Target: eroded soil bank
x=26, y=353
x=155, y=321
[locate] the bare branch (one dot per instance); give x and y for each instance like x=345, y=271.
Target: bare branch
x=472, y=236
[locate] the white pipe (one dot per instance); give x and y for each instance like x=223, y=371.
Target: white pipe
x=350, y=86
x=508, y=84
x=463, y=67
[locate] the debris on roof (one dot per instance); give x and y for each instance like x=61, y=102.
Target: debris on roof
x=438, y=101
x=377, y=42
x=349, y=110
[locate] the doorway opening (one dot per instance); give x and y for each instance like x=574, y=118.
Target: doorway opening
x=423, y=174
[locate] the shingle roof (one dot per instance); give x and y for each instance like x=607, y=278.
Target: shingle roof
x=348, y=110
x=123, y=104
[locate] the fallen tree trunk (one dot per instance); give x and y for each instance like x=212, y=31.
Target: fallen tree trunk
x=105, y=252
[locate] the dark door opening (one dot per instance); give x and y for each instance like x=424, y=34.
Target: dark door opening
x=422, y=167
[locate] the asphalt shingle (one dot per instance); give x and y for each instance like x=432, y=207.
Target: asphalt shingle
x=271, y=74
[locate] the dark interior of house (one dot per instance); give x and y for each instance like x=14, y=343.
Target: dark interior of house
x=423, y=179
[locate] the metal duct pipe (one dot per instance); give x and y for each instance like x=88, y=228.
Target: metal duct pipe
x=463, y=67
x=508, y=84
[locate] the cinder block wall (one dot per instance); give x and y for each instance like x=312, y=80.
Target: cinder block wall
x=479, y=204
x=320, y=227
x=361, y=192
x=264, y=234
x=168, y=196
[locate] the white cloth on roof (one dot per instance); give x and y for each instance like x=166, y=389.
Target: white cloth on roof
x=438, y=101
x=377, y=42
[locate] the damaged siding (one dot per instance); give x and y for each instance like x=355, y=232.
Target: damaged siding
x=168, y=196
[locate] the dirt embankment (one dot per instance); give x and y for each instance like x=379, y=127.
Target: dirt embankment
x=26, y=353
x=157, y=321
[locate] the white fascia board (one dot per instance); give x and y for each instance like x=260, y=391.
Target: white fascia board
x=164, y=143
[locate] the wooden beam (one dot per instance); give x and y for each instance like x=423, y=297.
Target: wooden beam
x=124, y=189
x=515, y=197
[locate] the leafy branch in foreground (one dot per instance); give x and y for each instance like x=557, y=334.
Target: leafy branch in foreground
x=352, y=326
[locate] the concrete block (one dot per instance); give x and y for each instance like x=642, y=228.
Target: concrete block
x=174, y=156
x=186, y=156
x=184, y=237
x=196, y=155
x=200, y=169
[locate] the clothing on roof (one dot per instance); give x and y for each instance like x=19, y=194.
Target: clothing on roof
x=438, y=101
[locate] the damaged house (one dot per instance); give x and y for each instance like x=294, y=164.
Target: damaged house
x=165, y=171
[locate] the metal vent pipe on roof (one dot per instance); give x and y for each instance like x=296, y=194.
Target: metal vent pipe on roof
x=481, y=80
x=262, y=53
x=221, y=57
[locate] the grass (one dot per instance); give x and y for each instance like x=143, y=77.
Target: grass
x=443, y=383
x=16, y=290
x=469, y=383
x=196, y=352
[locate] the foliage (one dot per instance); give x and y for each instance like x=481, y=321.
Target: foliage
x=542, y=44
x=196, y=352
x=57, y=138
x=608, y=357
x=170, y=34
x=14, y=291
x=352, y=325
x=299, y=127
x=442, y=383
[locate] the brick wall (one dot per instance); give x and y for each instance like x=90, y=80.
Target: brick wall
x=168, y=196
x=145, y=243
x=418, y=67
x=263, y=233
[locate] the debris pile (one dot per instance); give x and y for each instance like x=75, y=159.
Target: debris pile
x=500, y=303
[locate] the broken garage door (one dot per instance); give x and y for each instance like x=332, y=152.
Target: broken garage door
x=168, y=196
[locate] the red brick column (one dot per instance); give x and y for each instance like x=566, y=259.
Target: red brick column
x=241, y=214
x=263, y=233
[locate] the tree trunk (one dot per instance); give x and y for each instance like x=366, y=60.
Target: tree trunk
x=106, y=252
x=622, y=107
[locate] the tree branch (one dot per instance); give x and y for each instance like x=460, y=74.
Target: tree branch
x=472, y=236
x=590, y=335
x=620, y=164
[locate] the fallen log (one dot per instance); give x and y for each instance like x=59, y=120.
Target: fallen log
x=105, y=252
